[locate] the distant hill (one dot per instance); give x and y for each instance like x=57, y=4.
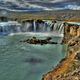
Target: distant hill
x=56, y=14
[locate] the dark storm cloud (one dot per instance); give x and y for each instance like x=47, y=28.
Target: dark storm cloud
x=36, y=5
x=57, y=3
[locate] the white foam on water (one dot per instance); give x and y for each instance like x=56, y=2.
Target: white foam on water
x=56, y=34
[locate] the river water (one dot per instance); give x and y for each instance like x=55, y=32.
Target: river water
x=23, y=61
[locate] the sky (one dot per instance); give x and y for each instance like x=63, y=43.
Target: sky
x=39, y=5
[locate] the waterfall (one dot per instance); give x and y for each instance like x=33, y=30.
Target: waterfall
x=34, y=25
x=9, y=27
x=27, y=27
x=18, y=29
x=61, y=29
x=48, y=25
x=55, y=26
x=40, y=27
x=3, y=29
x=45, y=26
x=58, y=27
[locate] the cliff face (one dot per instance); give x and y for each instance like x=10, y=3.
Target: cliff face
x=70, y=31
x=75, y=31
x=78, y=31
x=69, y=67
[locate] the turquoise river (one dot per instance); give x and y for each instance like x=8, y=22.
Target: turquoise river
x=23, y=61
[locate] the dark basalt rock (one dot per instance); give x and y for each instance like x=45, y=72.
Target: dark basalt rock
x=34, y=40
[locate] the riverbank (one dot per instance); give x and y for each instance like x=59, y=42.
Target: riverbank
x=64, y=66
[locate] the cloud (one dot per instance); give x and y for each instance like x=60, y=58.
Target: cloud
x=72, y=7
x=18, y=6
x=39, y=5
x=55, y=1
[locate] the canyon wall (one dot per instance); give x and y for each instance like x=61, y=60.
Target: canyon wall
x=65, y=69
x=70, y=31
